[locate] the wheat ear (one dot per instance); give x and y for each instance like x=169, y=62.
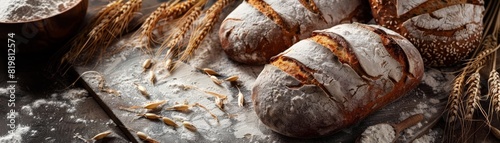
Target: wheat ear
x=173, y=42
x=455, y=98
x=212, y=15
x=175, y=11
x=78, y=43
x=146, y=29
x=494, y=89
x=473, y=93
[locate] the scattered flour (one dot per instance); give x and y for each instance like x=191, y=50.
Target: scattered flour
x=422, y=108
x=75, y=96
x=71, y=110
x=80, y=120
x=71, y=98
x=45, y=103
x=3, y=91
x=33, y=133
x=110, y=122
x=16, y=136
x=27, y=10
x=380, y=133
x=16, y=114
x=27, y=109
x=428, y=138
x=438, y=80
x=433, y=101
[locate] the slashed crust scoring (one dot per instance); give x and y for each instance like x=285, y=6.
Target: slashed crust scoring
x=259, y=29
x=332, y=80
x=444, y=31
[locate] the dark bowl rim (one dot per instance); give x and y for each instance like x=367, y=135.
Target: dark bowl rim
x=48, y=17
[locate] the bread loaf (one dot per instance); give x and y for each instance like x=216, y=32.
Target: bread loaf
x=334, y=79
x=259, y=29
x=444, y=31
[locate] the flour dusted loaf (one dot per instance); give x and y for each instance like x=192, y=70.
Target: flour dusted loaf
x=444, y=31
x=334, y=79
x=259, y=29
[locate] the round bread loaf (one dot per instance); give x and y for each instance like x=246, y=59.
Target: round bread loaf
x=334, y=79
x=259, y=29
x=444, y=31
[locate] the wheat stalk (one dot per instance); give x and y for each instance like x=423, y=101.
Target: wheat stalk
x=109, y=23
x=455, y=98
x=146, y=29
x=173, y=42
x=186, y=25
x=212, y=15
x=117, y=26
x=494, y=89
x=175, y=11
x=485, y=54
x=79, y=43
x=166, y=11
x=473, y=93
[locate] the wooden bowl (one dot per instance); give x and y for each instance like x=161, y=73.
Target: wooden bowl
x=45, y=34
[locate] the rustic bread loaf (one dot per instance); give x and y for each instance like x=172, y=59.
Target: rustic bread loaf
x=259, y=29
x=334, y=79
x=444, y=31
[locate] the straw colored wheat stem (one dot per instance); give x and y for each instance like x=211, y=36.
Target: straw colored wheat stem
x=212, y=15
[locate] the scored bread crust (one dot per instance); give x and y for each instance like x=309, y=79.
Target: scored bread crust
x=332, y=80
x=259, y=29
x=444, y=31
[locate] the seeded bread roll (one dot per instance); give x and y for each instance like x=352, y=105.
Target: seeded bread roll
x=444, y=31
x=259, y=29
x=334, y=79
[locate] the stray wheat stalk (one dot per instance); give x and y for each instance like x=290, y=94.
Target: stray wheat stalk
x=206, y=109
